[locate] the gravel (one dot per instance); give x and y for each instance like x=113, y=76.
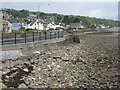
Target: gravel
x=92, y=63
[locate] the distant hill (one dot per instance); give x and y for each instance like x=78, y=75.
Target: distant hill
x=89, y=22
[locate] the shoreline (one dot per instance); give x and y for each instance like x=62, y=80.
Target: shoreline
x=92, y=63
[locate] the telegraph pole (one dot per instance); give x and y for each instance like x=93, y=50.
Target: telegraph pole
x=38, y=20
x=38, y=17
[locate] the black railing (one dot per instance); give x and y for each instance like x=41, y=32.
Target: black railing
x=16, y=38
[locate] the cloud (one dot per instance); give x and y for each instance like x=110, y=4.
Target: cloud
x=95, y=13
x=59, y=0
x=102, y=14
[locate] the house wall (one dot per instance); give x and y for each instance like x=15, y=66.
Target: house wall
x=6, y=26
x=35, y=26
x=0, y=20
x=4, y=23
x=51, y=26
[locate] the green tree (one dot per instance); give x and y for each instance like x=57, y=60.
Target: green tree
x=66, y=20
x=76, y=20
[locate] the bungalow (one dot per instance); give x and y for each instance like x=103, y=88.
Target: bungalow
x=23, y=24
x=15, y=24
x=35, y=25
x=50, y=26
x=45, y=24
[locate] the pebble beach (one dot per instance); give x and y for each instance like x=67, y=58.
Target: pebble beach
x=92, y=63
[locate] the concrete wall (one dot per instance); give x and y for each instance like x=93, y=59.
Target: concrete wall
x=40, y=46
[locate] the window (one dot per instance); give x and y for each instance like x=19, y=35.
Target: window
x=8, y=28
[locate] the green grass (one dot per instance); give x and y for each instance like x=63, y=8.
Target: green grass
x=30, y=31
x=18, y=31
x=24, y=31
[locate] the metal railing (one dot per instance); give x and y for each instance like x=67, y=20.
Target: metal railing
x=17, y=38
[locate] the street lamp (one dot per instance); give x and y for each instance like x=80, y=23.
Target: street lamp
x=38, y=16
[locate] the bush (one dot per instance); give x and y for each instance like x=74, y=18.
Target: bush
x=17, y=31
x=30, y=30
x=69, y=28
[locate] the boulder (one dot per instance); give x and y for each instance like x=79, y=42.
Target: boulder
x=2, y=86
x=22, y=86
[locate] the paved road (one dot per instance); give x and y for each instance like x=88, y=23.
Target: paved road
x=36, y=38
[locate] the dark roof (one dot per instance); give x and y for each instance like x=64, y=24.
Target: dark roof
x=32, y=23
x=75, y=24
x=15, y=24
x=14, y=21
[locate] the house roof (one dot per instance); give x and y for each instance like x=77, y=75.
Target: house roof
x=13, y=20
x=15, y=24
x=74, y=24
x=32, y=23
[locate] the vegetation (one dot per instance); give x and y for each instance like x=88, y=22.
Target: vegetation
x=24, y=31
x=89, y=22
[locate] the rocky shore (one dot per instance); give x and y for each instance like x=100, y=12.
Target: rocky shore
x=92, y=63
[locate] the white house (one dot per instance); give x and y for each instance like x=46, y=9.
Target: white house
x=54, y=26
x=43, y=25
x=35, y=25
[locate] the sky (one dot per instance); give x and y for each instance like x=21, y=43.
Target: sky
x=59, y=0
x=107, y=9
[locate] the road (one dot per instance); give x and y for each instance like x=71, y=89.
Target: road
x=53, y=35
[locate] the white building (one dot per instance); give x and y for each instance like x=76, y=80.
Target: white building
x=43, y=25
x=35, y=25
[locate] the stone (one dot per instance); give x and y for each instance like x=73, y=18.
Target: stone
x=76, y=39
x=26, y=70
x=55, y=68
x=58, y=66
x=2, y=85
x=33, y=78
x=55, y=57
x=36, y=52
x=65, y=59
x=99, y=59
x=22, y=86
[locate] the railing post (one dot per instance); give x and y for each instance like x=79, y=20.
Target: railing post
x=58, y=34
x=25, y=37
x=15, y=38
x=45, y=35
x=50, y=34
x=55, y=34
x=33, y=36
x=39, y=35
x=61, y=33
x=2, y=38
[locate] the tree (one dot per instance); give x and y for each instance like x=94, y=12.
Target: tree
x=42, y=15
x=76, y=20
x=66, y=20
x=59, y=17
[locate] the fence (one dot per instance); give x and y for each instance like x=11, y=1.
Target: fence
x=16, y=38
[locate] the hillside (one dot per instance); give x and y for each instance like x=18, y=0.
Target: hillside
x=89, y=22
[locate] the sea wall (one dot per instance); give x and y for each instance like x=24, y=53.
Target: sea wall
x=28, y=49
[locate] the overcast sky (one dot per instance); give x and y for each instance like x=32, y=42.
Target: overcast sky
x=94, y=8
x=59, y=0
